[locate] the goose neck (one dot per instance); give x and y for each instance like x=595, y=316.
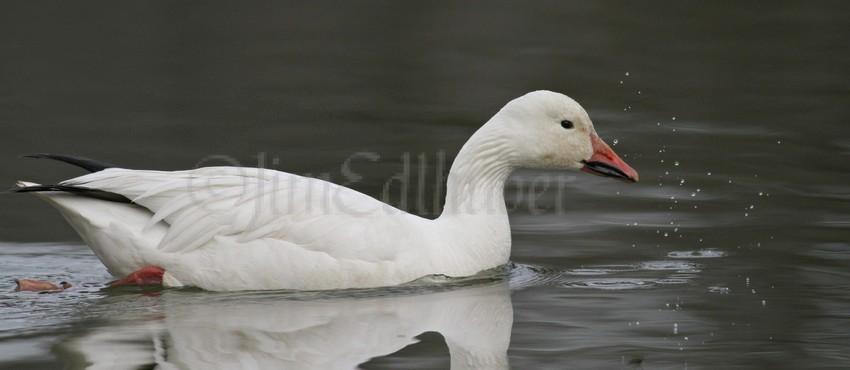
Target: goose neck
x=476, y=180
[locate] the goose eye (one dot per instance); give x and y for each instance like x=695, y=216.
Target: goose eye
x=567, y=124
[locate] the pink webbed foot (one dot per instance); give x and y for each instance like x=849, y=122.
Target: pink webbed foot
x=145, y=276
x=27, y=285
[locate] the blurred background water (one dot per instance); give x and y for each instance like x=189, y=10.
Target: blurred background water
x=732, y=251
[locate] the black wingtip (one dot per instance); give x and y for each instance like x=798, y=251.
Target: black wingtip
x=88, y=164
x=78, y=190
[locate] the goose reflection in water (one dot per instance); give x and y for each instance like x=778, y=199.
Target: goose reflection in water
x=261, y=331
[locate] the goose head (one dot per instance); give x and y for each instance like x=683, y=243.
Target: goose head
x=549, y=130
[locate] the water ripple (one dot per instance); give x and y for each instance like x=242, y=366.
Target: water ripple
x=680, y=266
x=606, y=277
x=611, y=284
x=702, y=253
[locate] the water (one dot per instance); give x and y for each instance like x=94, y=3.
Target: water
x=731, y=252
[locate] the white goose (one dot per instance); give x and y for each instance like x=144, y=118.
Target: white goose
x=236, y=228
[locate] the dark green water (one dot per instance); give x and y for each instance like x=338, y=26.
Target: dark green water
x=732, y=251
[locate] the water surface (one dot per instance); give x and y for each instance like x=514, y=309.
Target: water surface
x=731, y=252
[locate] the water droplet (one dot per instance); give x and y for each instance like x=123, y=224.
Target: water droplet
x=675, y=328
x=621, y=82
x=779, y=141
x=616, y=141
x=681, y=182
x=676, y=163
x=674, y=118
x=627, y=73
x=665, y=235
x=693, y=195
x=708, y=173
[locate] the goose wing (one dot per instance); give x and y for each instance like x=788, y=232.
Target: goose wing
x=249, y=204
